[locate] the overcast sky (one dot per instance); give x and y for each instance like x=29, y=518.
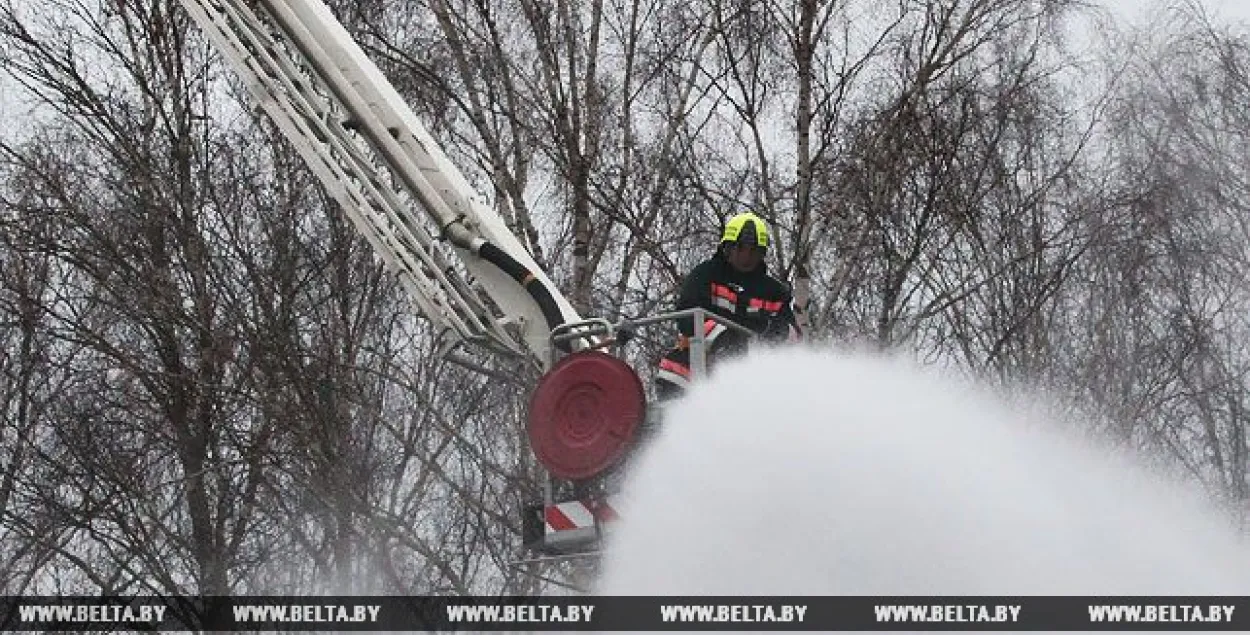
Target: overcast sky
x=1236, y=10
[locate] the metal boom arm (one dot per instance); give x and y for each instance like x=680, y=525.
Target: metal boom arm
x=372, y=154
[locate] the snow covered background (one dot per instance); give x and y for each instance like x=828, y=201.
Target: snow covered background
x=811, y=473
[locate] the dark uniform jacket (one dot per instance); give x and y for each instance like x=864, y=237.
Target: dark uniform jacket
x=754, y=300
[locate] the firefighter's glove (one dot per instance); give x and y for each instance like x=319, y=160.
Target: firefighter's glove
x=624, y=333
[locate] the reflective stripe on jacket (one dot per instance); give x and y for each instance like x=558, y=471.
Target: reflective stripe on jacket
x=754, y=300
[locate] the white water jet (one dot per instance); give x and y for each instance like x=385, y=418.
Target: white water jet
x=810, y=473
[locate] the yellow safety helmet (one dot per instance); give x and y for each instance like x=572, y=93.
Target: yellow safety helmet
x=746, y=227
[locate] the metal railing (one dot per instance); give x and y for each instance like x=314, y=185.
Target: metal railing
x=608, y=331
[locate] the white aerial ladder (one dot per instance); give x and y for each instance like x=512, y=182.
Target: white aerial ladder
x=455, y=256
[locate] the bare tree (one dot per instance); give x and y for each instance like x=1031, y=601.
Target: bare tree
x=1170, y=265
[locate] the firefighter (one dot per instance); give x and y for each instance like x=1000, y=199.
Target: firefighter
x=733, y=283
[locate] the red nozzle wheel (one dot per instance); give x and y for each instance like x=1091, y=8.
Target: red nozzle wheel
x=583, y=414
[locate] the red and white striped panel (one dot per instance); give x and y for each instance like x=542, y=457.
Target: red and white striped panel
x=583, y=514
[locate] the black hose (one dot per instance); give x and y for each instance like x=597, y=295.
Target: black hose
x=526, y=278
